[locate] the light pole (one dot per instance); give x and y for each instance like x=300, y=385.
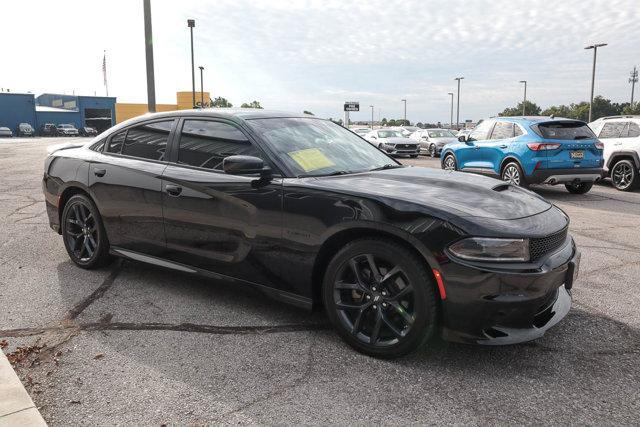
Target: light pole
x=451, y=119
x=458, y=107
x=201, y=90
x=524, y=102
x=371, y=116
x=192, y=23
x=148, y=47
x=404, y=122
x=593, y=72
x=633, y=80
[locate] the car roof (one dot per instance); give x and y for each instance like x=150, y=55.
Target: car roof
x=243, y=113
x=532, y=119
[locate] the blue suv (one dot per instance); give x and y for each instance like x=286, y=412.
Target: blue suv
x=530, y=150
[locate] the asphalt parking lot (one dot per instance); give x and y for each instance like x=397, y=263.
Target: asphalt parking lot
x=131, y=344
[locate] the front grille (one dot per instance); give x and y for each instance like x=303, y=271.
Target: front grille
x=541, y=246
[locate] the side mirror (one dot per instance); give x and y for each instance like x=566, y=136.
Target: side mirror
x=373, y=137
x=462, y=138
x=246, y=165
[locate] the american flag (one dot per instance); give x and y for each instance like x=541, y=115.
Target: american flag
x=104, y=71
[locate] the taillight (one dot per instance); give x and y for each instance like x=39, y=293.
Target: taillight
x=599, y=145
x=538, y=146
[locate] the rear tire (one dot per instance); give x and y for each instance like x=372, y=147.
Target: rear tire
x=83, y=233
x=580, y=188
x=512, y=173
x=433, y=151
x=380, y=298
x=624, y=175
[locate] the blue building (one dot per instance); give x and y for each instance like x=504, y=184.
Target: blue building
x=96, y=111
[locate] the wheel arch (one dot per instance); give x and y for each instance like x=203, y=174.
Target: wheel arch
x=69, y=191
x=340, y=238
x=506, y=160
x=443, y=155
x=616, y=156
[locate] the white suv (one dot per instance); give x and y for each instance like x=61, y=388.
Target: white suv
x=621, y=138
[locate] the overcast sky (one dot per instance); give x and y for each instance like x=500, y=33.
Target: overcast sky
x=314, y=55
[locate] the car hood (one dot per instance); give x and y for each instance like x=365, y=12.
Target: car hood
x=397, y=140
x=447, y=192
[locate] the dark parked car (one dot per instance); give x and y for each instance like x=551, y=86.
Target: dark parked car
x=311, y=214
x=87, y=131
x=48, y=129
x=25, y=129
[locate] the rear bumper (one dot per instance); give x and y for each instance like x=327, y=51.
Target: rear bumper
x=564, y=176
x=495, y=307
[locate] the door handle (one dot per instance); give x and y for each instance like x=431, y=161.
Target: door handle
x=100, y=172
x=503, y=146
x=477, y=147
x=173, y=190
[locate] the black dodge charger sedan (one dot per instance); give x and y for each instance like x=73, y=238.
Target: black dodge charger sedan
x=313, y=215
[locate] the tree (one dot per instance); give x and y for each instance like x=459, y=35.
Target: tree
x=419, y=124
x=392, y=122
x=253, y=104
x=557, y=111
x=383, y=122
x=307, y=112
x=635, y=109
x=531, y=109
x=221, y=102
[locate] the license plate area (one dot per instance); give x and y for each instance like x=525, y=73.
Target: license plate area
x=577, y=154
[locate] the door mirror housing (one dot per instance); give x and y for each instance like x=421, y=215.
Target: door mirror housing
x=246, y=165
x=462, y=138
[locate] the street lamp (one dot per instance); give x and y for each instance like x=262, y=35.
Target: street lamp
x=201, y=90
x=451, y=119
x=371, y=116
x=593, y=72
x=458, y=107
x=524, y=102
x=192, y=23
x=148, y=47
x=405, y=112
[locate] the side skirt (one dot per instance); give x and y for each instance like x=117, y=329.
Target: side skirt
x=284, y=296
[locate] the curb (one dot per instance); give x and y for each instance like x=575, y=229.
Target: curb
x=16, y=406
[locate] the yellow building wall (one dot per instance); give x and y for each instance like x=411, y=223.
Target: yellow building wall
x=126, y=111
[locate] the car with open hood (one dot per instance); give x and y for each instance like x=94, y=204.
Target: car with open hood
x=309, y=213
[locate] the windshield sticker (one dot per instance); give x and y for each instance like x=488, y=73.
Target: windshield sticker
x=311, y=159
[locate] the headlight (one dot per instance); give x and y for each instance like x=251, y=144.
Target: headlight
x=489, y=249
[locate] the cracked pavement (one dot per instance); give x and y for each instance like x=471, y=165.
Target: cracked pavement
x=131, y=344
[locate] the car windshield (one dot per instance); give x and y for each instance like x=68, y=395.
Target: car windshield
x=64, y=126
x=564, y=130
x=389, y=134
x=440, y=133
x=315, y=147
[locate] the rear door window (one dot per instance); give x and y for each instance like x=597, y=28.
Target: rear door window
x=116, y=141
x=148, y=141
x=634, y=130
x=612, y=130
x=502, y=130
x=205, y=144
x=565, y=130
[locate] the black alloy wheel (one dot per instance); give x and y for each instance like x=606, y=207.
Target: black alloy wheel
x=624, y=175
x=84, y=237
x=432, y=150
x=579, y=188
x=380, y=298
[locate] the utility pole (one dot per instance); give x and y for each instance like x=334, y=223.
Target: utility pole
x=633, y=80
x=404, y=122
x=458, y=109
x=524, y=102
x=371, y=116
x=451, y=119
x=593, y=73
x=192, y=23
x=148, y=45
x=201, y=89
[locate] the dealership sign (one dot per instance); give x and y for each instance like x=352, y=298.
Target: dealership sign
x=351, y=106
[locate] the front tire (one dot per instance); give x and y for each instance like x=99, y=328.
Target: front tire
x=83, y=233
x=432, y=151
x=380, y=298
x=449, y=163
x=579, y=188
x=624, y=175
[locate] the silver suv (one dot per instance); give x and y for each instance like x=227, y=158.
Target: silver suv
x=621, y=138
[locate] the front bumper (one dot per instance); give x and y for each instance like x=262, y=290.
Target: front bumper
x=564, y=176
x=509, y=304
x=402, y=151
